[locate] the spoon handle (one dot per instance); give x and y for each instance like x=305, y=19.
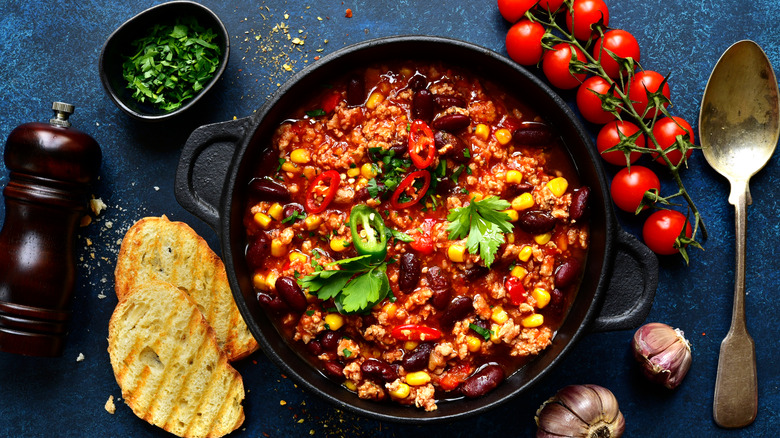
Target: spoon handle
x=736, y=389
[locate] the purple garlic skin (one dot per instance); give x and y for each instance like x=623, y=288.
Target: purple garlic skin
x=663, y=353
x=587, y=411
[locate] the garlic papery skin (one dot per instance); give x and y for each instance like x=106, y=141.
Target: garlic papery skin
x=581, y=411
x=663, y=352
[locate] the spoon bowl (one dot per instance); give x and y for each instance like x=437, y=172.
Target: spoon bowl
x=739, y=125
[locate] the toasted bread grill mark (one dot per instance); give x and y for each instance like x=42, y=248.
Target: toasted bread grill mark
x=166, y=360
x=158, y=249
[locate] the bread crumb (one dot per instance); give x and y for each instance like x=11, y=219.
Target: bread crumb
x=110, y=406
x=80, y=357
x=101, y=295
x=97, y=205
x=156, y=188
x=85, y=220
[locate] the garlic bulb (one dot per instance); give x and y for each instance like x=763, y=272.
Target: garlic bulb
x=586, y=411
x=663, y=352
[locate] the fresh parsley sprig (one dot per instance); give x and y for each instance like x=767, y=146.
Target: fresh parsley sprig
x=484, y=222
x=355, y=288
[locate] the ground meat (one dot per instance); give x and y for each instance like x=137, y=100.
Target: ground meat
x=424, y=397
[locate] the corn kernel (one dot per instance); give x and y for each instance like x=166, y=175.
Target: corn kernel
x=278, y=249
x=558, y=186
x=542, y=239
x=473, y=343
x=418, y=378
x=270, y=280
x=262, y=220
x=353, y=172
x=401, y=391
x=510, y=238
x=514, y=176
x=374, y=99
x=513, y=215
x=534, y=320
x=289, y=166
x=368, y=170
x=525, y=253
x=309, y=172
x=312, y=222
x=499, y=315
x=350, y=385
x=482, y=131
x=562, y=242
x=258, y=281
x=300, y=156
x=503, y=136
x=334, y=321
x=541, y=296
x=519, y=272
x=494, y=338
x=523, y=202
x=477, y=197
x=276, y=211
x=298, y=256
x=410, y=345
x=456, y=253
x=390, y=309
x=338, y=244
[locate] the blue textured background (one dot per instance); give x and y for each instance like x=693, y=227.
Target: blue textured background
x=49, y=52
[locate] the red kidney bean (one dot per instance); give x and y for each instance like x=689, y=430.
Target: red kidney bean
x=536, y=222
x=452, y=122
x=441, y=298
x=459, y=308
x=380, y=370
x=568, y=271
x=513, y=190
x=409, y=272
x=556, y=303
x=440, y=285
x=330, y=340
x=417, y=359
x=314, y=347
x=333, y=369
x=579, y=203
x=399, y=149
x=533, y=134
x=272, y=303
x=356, y=91
x=267, y=188
x=483, y=381
x=291, y=293
x=475, y=272
x=291, y=209
x=422, y=106
x=418, y=81
x=481, y=323
x=460, y=151
x=444, y=102
x=258, y=250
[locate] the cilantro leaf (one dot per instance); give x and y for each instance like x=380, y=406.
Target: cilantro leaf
x=365, y=290
x=398, y=235
x=484, y=223
x=356, y=287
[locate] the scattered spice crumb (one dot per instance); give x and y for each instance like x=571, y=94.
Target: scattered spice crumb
x=80, y=357
x=282, y=402
x=85, y=220
x=156, y=188
x=348, y=14
x=110, y=406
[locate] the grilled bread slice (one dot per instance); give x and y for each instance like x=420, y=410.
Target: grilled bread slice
x=167, y=362
x=156, y=248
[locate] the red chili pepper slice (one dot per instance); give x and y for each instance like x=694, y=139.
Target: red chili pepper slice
x=331, y=179
x=516, y=291
x=423, y=240
x=405, y=184
x=421, y=140
x=415, y=332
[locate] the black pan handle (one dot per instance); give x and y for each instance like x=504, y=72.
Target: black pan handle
x=634, y=279
x=203, y=167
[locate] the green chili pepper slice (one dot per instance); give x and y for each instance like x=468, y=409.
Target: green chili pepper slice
x=368, y=232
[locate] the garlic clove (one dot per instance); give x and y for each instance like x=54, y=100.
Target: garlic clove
x=587, y=411
x=663, y=352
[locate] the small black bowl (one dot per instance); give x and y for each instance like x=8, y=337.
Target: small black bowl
x=118, y=46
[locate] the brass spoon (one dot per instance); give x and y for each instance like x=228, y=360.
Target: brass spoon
x=739, y=124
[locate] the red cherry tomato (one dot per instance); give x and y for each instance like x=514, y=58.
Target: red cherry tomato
x=583, y=15
x=589, y=102
x=666, y=131
x=423, y=240
x=513, y=10
x=643, y=82
x=516, y=291
x=549, y=5
x=620, y=43
x=662, y=228
x=609, y=137
x=524, y=42
x=629, y=187
x=415, y=332
x=555, y=65
x=330, y=101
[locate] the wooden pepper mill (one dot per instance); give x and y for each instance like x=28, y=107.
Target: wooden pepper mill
x=51, y=169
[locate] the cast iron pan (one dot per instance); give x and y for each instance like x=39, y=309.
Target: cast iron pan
x=218, y=160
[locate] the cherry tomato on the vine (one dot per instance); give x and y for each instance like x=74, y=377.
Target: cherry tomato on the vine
x=584, y=14
x=589, y=102
x=555, y=65
x=662, y=228
x=524, y=42
x=666, y=131
x=620, y=43
x=513, y=10
x=549, y=5
x=629, y=186
x=608, y=137
x=643, y=82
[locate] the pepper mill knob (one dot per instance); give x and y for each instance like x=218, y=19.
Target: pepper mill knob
x=51, y=169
